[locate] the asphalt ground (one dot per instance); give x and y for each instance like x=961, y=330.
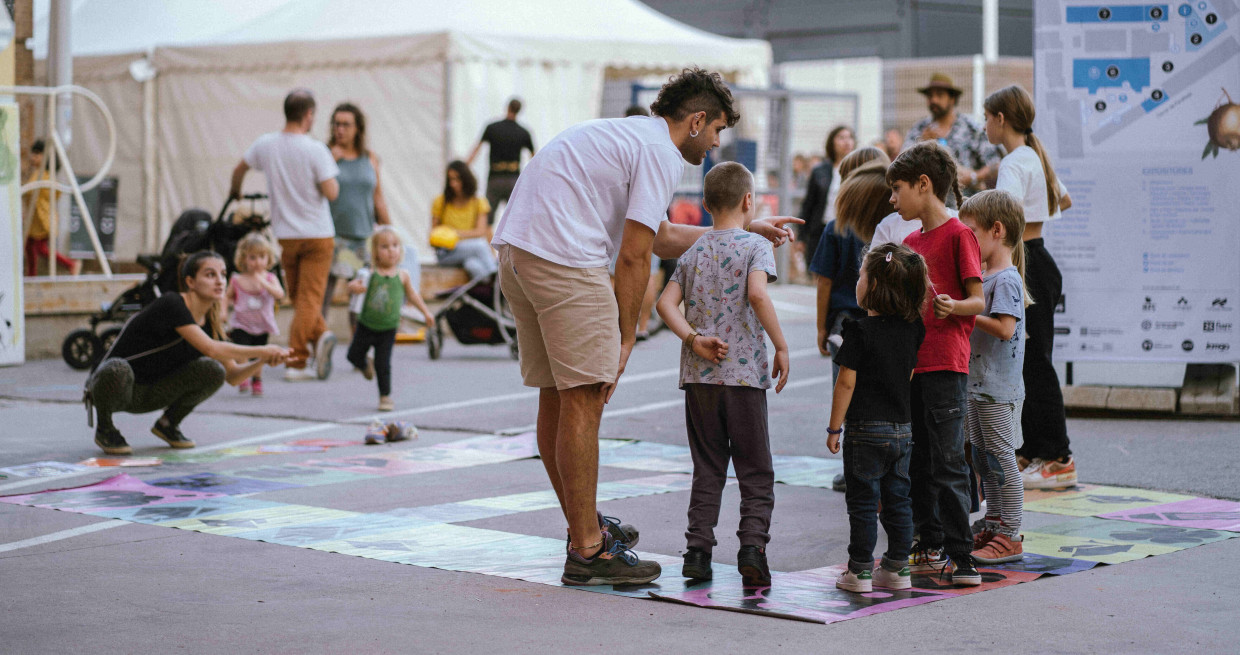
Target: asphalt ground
x=140, y=588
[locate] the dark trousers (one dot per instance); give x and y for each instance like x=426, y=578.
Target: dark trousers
x=938, y=470
x=364, y=339
x=499, y=187
x=727, y=422
x=112, y=389
x=243, y=338
x=1042, y=421
x=876, y=460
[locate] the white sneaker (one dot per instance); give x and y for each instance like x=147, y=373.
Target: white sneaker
x=1049, y=474
x=301, y=374
x=901, y=579
x=862, y=583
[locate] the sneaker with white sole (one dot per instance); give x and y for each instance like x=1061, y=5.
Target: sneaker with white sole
x=861, y=582
x=1050, y=474
x=924, y=559
x=1001, y=549
x=901, y=579
x=963, y=571
x=301, y=374
x=386, y=404
x=323, y=354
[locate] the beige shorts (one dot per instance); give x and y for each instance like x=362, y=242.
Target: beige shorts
x=568, y=325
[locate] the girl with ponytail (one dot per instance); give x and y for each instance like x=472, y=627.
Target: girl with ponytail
x=1026, y=172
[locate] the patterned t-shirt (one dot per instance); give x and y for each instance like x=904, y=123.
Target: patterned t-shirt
x=996, y=366
x=714, y=274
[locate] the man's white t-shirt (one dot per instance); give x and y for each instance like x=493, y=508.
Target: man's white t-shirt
x=1021, y=174
x=295, y=164
x=570, y=204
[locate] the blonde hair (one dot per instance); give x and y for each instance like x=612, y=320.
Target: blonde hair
x=253, y=242
x=725, y=186
x=864, y=196
x=381, y=230
x=1016, y=106
x=986, y=208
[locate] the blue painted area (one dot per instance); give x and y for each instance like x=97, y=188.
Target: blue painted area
x=1092, y=74
x=1195, y=25
x=1151, y=104
x=1118, y=14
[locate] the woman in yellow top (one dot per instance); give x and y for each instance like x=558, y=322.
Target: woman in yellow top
x=41, y=222
x=461, y=209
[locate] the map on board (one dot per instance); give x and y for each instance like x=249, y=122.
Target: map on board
x=1110, y=66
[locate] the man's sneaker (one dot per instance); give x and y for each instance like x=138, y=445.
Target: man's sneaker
x=697, y=564
x=622, y=532
x=301, y=374
x=323, y=354
x=614, y=564
x=901, y=579
x=837, y=483
x=111, y=441
x=964, y=572
x=377, y=433
x=1000, y=550
x=751, y=562
x=861, y=582
x=170, y=433
x=401, y=431
x=244, y=387
x=258, y=388
x=923, y=559
x=1050, y=474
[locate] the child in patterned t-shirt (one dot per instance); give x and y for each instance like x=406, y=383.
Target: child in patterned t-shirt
x=722, y=280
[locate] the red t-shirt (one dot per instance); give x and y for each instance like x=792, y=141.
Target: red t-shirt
x=952, y=256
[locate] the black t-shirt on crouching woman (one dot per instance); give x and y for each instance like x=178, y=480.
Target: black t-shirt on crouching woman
x=150, y=342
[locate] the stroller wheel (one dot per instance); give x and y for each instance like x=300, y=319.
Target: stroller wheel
x=512, y=351
x=81, y=349
x=107, y=338
x=434, y=341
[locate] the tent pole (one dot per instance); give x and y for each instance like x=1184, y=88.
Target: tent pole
x=150, y=216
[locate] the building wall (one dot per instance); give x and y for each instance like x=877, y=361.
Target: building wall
x=831, y=29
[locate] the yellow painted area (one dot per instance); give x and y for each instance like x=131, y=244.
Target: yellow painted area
x=1105, y=551
x=1095, y=500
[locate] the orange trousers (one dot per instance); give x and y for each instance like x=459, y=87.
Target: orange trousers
x=306, y=263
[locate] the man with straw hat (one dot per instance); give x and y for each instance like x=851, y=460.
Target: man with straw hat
x=962, y=135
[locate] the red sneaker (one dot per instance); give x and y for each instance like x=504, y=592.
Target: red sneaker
x=258, y=388
x=1001, y=549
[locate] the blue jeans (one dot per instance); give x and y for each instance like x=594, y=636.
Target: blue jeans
x=473, y=255
x=938, y=469
x=876, y=458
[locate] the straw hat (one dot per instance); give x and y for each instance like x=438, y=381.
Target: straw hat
x=940, y=81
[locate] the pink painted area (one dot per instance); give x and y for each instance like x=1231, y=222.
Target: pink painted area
x=1202, y=513
x=118, y=492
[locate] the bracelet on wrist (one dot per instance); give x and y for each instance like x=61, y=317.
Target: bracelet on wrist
x=690, y=338
x=839, y=431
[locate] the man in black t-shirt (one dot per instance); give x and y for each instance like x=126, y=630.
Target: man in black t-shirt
x=507, y=139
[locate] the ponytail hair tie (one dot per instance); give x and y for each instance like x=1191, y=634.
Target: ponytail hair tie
x=1029, y=131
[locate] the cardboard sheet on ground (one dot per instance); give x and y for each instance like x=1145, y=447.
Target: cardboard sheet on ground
x=117, y=492
x=1109, y=541
x=1096, y=500
x=41, y=469
x=1207, y=513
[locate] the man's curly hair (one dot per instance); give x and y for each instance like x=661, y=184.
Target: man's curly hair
x=692, y=91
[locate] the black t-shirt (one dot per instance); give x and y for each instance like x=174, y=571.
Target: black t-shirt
x=146, y=337
x=883, y=351
x=507, y=138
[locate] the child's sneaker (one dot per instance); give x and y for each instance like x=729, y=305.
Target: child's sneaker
x=901, y=579
x=244, y=387
x=751, y=562
x=1000, y=550
x=258, y=388
x=697, y=564
x=401, y=431
x=964, y=572
x=376, y=434
x=923, y=559
x=369, y=371
x=301, y=374
x=983, y=531
x=861, y=582
x=386, y=404
x=1050, y=474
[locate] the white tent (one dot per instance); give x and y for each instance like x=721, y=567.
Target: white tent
x=429, y=75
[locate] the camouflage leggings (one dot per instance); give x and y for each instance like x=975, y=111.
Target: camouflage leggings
x=112, y=389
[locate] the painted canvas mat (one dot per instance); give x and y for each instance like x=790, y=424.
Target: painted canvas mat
x=1096, y=500
x=221, y=484
x=121, y=491
x=1108, y=541
x=41, y=469
x=1046, y=565
x=1204, y=513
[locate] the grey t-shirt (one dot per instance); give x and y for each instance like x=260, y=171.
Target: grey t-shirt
x=714, y=275
x=995, y=366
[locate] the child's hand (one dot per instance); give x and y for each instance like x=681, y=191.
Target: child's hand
x=822, y=342
x=356, y=286
x=943, y=305
x=712, y=349
x=833, y=443
x=780, y=369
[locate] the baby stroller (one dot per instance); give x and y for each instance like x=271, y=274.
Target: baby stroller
x=476, y=312
x=193, y=230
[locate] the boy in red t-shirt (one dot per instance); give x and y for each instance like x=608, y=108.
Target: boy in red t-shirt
x=920, y=178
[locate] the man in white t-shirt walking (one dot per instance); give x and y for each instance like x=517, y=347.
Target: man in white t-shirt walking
x=600, y=187
x=301, y=180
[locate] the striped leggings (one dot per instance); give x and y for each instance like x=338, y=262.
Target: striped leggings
x=992, y=429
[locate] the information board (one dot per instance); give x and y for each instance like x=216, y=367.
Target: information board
x=1135, y=107
x=101, y=202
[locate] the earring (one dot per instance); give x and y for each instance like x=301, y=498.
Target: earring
x=694, y=135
